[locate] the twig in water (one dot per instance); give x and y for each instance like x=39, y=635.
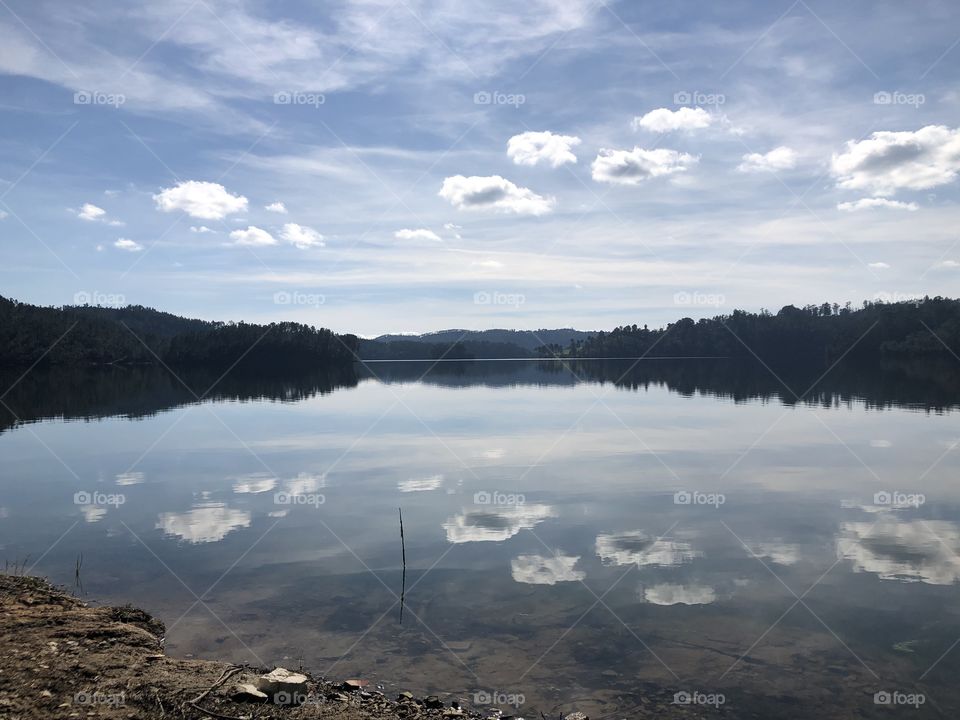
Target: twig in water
x=403, y=550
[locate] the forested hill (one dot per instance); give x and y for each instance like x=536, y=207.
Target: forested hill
x=815, y=333
x=91, y=335
x=522, y=339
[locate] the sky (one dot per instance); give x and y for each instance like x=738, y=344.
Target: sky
x=403, y=166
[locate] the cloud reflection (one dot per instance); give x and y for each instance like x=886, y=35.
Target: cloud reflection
x=668, y=594
x=540, y=570
x=638, y=548
x=908, y=551
x=420, y=484
x=203, y=524
x=495, y=524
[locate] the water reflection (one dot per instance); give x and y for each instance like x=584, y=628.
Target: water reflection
x=484, y=581
x=669, y=594
x=640, y=548
x=206, y=523
x=434, y=482
x=495, y=525
x=905, y=550
x=540, y=570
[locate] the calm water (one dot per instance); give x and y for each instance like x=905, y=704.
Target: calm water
x=574, y=539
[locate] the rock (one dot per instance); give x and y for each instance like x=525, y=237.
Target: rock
x=432, y=702
x=576, y=716
x=282, y=681
x=352, y=685
x=247, y=692
x=405, y=695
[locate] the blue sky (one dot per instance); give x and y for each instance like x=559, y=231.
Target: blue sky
x=400, y=166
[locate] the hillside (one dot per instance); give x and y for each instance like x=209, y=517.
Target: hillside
x=93, y=335
x=525, y=339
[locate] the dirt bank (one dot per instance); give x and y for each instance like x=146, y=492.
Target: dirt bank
x=62, y=658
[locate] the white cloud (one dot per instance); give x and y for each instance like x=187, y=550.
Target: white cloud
x=779, y=553
x=277, y=207
x=254, y=484
x=495, y=193
x=91, y=212
x=421, y=234
x=301, y=236
x=870, y=203
x=540, y=570
x=496, y=524
x=890, y=161
x=201, y=229
x=420, y=484
x=130, y=478
x=93, y=513
x=878, y=266
x=638, y=548
x=780, y=158
x=951, y=264
x=668, y=594
x=128, y=245
x=664, y=120
x=203, y=200
x=909, y=551
x=203, y=524
x=305, y=483
x=252, y=236
x=4, y=214
x=631, y=167
x=530, y=148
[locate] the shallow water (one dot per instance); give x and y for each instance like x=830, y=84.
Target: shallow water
x=575, y=539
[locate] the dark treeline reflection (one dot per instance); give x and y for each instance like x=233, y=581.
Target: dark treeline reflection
x=929, y=384
x=139, y=391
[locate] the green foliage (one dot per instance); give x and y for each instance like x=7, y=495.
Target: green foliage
x=92, y=335
x=815, y=333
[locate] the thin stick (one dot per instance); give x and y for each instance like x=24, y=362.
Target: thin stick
x=403, y=549
x=224, y=676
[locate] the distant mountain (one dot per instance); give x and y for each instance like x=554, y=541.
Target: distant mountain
x=528, y=340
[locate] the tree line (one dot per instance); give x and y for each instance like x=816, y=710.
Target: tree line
x=93, y=335
x=814, y=333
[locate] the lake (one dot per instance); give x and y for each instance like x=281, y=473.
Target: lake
x=603, y=536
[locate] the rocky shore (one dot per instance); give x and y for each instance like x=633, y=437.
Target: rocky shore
x=63, y=658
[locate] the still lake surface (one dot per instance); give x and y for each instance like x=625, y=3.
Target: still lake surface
x=594, y=537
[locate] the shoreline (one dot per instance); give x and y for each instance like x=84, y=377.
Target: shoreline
x=67, y=659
